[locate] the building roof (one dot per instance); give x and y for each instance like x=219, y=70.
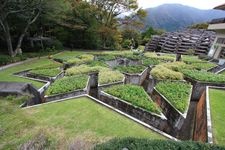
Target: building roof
x=221, y=7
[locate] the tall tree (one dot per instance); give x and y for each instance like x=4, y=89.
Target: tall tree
x=27, y=11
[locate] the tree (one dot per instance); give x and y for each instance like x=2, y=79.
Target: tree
x=27, y=11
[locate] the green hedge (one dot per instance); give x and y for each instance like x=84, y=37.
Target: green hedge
x=204, y=76
x=135, y=95
x=67, y=84
x=176, y=92
x=131, y=69
x=162, y=73
x=147, y=144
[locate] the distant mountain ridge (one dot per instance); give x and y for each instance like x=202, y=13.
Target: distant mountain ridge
x=172, y=17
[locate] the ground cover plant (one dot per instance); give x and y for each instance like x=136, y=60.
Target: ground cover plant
x=135, y=95
x=106, y=75
x=134, y=69
x=63, y=124
x=105, y=57
x=177, y=93
x=7, y=74
x=46, y=72
x=162, y=73
x=85, y=58
x=161, y=57
x=151, y=61
x=67, y=84
x=204, y=76
x=217, y=103
x=149, y=144
x=202, y=65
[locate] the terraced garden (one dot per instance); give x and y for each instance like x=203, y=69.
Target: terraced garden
x=158, y=101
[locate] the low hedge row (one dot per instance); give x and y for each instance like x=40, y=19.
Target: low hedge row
x=204, y=76
x=176, y=92
x=135, y=95
x=67, y=84
x=148, y=144
x=131, y=69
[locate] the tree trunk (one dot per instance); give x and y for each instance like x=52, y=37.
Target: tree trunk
x=8, y=39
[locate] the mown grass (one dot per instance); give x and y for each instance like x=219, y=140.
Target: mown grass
x=217, y=103
x=7, y=74
x=64, y=122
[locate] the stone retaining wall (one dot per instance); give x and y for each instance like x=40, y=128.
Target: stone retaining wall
x=152, y=119
x=123, y=62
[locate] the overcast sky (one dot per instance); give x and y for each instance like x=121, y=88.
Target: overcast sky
x=201, y=4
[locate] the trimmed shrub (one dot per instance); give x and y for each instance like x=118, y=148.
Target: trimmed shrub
x=135, y=95
x=162, y=73
x=147, y=144
x=176, y=92
x=161, y=57
x=67, y=84
x=5, y=59
x=131, y=69
x=175, y=66
x=202, y=65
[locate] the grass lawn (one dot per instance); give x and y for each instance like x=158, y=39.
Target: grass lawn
x=217, y=104
x=7, y=74
x=65, y=122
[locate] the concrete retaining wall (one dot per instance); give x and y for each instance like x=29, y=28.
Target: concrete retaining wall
x=152, y=119
x=137, y=79
x=174, y=116
x=200, y=131
x=199, y=87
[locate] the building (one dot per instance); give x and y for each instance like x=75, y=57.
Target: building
x=217, y=50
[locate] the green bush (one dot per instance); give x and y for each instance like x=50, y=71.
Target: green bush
x=135, y=95
x=131, y=69
x=67, y=84
x=162, y=73
x=46, y=72
x=5, y=59
x=176, y=92
x=126, y=44
x=147, y=144
x=204, y=76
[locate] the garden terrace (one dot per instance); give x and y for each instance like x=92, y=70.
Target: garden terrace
x=204, y=76
x=67, y=84
x=162, y=73
x=177, y=93
x=217, y=103
x=71, y=120
x=106, y=75
x=7, y=74
x=134, y=95
x=160, y=56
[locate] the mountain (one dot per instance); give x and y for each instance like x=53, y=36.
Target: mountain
x=172, y=17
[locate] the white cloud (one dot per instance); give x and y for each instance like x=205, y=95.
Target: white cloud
x=201, y=4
